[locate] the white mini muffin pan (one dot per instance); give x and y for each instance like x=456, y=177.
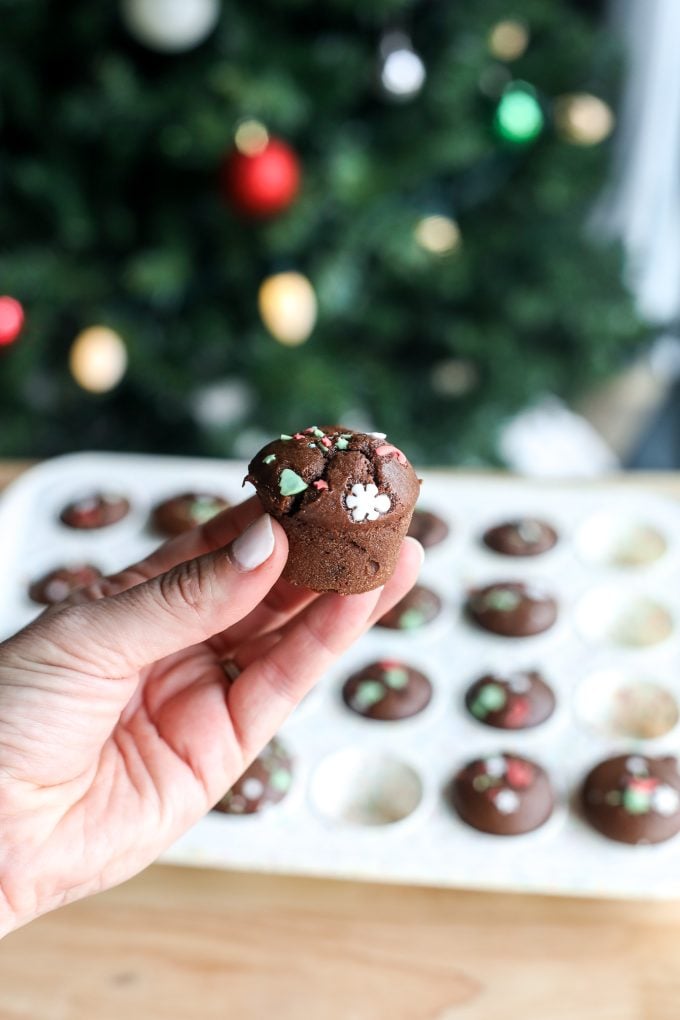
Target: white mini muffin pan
x=367, y=798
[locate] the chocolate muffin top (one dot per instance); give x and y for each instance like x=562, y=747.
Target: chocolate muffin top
x=96, y=510
x=265, y=782
x=428, y=528
x=418, y=607
x=334, y=477
x=512, y=608
x=186, y=511
x=526, y=536
x=632, y=798
x=502, y=794
x=60, y=582
x=387, y=690
x=516, y=700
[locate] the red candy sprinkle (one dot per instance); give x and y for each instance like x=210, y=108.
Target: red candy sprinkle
x=298, y=435
x=517, y=712
x=643, y=784
x=326, y=441
x=391, y=451
x=519, y=774
x=389, y=664
x=320, y=484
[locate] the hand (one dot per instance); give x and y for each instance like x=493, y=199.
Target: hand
x=118, y=727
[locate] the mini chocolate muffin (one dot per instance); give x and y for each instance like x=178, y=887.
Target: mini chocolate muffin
x=633, y=799
x=418, y=607
x=95, y=510
x=428, y=528
x=502, y=794
x=59, y=583
x=513, y=701
x=387, y=690
x=345, y=501
x=266, y=781
x=187, y=511
x=525, y=536
x=512, y=608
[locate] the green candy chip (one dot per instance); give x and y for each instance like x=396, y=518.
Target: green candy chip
x=502, y=599
x=482, y=783
x=411, y=619
x=280, y=780
x=479, y=710
x=493, y=697
x=396, y=678
x=367, y=694
x=636, y=802
x=203, y=510
x=290, y=483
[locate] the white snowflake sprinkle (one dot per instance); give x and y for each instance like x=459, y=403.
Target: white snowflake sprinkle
x=57, y=589
x=665, y=800
x=636, y=766
x=252, y=788
x=519, y=683
x=378, y=435
x=506, y=802
x=366, y=504
x=495, y=765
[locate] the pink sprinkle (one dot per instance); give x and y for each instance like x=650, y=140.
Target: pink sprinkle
x=643, y=784
x=391, y=451
x=320, y=484
x=309, y=431
x=298, y=435
x=326, y=441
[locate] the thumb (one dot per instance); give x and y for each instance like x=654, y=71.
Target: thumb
x=119, y=634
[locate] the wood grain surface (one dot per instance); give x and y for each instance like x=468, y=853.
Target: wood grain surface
x=178, y=944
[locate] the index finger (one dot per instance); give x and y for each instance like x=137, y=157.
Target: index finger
x=205, y=538
x=280, y=603
x=216, y=533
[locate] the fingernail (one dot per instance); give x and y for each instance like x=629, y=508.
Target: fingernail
x=254, y=546
x=414, y=541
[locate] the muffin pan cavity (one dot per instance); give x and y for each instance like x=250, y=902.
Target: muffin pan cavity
x=365, y=788
x=624, y=705
x=620, y=618
x=611, y=539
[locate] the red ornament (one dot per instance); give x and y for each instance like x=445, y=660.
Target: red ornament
x=264, y=183
x=11, y=320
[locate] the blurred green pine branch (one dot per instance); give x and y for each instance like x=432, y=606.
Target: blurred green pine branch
x=110, y=212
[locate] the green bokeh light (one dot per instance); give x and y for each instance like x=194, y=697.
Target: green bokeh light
x=519, y=117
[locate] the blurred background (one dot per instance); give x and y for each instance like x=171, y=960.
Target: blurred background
x=457, y=223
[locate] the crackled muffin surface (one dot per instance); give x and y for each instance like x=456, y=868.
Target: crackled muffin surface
x=345, y=500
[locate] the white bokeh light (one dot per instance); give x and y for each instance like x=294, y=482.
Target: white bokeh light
x=403, y=73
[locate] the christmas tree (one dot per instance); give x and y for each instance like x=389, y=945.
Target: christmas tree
x=224, y=221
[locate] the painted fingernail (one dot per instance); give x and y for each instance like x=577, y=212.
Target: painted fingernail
x=414, y=541
x=254, y=546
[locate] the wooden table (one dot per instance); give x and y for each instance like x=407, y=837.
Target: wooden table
x=178, y=944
